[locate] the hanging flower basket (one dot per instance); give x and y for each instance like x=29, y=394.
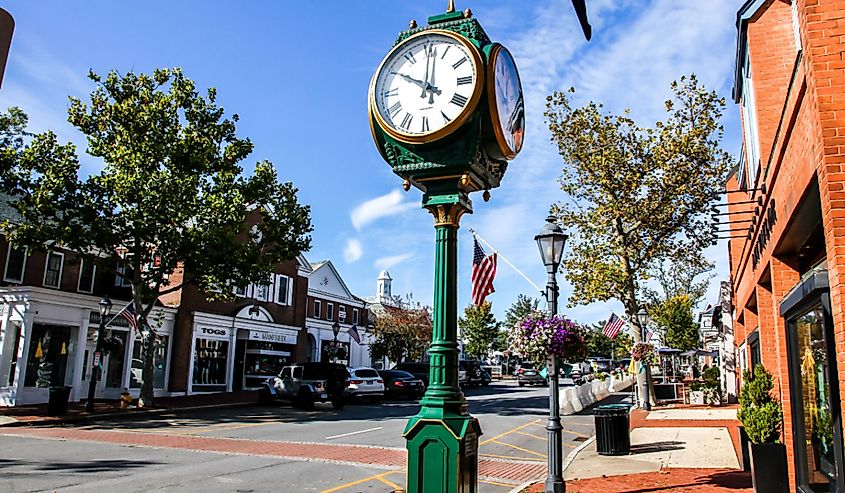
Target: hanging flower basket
x=537, y=337
x=642, y=351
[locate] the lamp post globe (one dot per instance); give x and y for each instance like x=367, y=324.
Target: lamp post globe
x=551, y=241
x=104, y=307
x=642, y=317
x=336, y=331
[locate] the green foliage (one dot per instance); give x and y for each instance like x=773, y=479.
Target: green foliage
x=760, y=412
x=635, y=196
x=171, y=191
x=623, y=345
x=479, y=329
x=402, y=332
x=524, y=305
x=677, y=276
x=675, y=317
x=598, y=344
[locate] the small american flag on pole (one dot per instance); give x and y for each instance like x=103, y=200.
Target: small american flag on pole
x=613, y=326
x=483, y=272
x=128, y=313
x=353, y=333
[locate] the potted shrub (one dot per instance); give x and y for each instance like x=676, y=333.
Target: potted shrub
x=762, y=416
x=696, y=394
x=712, y=387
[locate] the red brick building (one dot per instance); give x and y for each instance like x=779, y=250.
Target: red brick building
x=788, y=267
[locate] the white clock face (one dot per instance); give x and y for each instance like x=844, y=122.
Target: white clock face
x=426, y=84
x=509, y=105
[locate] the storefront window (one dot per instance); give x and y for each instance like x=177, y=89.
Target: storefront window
x=115, y=346
x=815, y=397
x=12, y=345
x=211, y=358
x=46, y=362
x=264, y=360
x=136, y=377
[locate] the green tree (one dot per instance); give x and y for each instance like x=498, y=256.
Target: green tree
x=479, y=328
x=674, y=316
x=680, y=276
x=520, y=308
x=598, y=344
x=622, y=346
x=402, y=331
x=636, y=196
x=171, y=194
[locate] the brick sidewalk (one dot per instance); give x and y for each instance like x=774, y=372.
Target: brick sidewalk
x=36, y=415
x=513, y=471
x=673, y=480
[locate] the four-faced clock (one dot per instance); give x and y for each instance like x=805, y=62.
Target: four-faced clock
x=427, y=86
x=507, y=108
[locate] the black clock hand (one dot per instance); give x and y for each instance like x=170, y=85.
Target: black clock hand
x=420, y=83
x=431, y=87
x=425, y=79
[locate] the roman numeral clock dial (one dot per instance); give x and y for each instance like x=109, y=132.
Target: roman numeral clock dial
x=427, y=86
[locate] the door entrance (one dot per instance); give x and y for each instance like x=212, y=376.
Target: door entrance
x=111, y=364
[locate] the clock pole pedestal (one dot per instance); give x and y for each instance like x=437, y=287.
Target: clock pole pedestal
x=442, y=439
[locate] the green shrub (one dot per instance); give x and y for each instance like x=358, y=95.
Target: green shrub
x=761, y=414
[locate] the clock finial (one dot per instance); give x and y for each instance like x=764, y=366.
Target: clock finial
x=451, y=7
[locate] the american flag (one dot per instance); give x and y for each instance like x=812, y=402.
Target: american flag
x=128, y=313
x=613, y=326
x=353, y=333
x=483, y=272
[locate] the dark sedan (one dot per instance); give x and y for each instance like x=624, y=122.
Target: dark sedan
x=399, y=383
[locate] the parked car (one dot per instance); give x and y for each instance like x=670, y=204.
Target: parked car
x=527, y=374
x=421, y=371
x=401, y=384
x=305, y=384
x=366, y=383
x=476, y=376
x=579, y=372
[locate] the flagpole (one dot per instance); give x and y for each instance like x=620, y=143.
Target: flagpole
x=476, y=235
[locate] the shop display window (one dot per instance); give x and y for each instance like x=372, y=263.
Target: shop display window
x=46, y=363
x=10, y=353
x=136, y=376
x=211, y=357
x=264, y=360
x=115, y=346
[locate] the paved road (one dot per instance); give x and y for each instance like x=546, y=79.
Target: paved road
x=280, y=449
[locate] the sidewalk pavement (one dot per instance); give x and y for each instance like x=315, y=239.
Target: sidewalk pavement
x=36, y=415
x=677, y=449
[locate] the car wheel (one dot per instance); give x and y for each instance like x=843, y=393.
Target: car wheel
x=338, y=403
x=305, y=401
x=522, y=384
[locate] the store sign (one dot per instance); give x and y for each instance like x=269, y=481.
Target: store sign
x=277, y=337
x=113, y=321
x=768, y=220
x=213, y=332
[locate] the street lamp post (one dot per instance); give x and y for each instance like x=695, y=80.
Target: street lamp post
x=551, y=241
x=642, y=318
x=336, y=330
x=105, y=308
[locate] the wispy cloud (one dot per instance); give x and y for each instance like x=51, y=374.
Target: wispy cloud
x=386, y=205
x=353, y=250
x=388, y=262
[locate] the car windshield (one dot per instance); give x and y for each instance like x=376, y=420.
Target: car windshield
x=401, y=374
x=366, y=373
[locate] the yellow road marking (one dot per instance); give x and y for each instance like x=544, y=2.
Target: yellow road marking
x=519, y=448
x=538, y=437
x=511, y=457
x=393, y=485
x=508, y=432
x=231, y=427
x=377, y=477
x=494, y=483
x=566, y=431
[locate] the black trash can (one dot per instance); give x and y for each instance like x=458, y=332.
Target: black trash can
x=57, y=404
x=613, y=436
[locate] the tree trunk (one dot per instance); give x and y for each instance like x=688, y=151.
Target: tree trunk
x=147, y=396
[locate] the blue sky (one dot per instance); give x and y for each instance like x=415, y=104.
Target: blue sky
x=297, y=74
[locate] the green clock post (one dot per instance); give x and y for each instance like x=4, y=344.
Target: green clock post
x=447, y=114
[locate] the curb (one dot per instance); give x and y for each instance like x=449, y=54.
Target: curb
x=568, y=460
x=125, y=415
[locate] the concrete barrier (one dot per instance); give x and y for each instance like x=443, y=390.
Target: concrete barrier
x=575, y=399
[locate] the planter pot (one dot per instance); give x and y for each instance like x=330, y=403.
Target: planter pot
x=745, y=450
x=696, y=397
x=768, y=467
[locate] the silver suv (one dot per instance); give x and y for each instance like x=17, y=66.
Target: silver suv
x=305, y=384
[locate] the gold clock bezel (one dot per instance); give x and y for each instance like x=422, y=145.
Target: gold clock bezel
x=469, y=109
x=491, y=100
